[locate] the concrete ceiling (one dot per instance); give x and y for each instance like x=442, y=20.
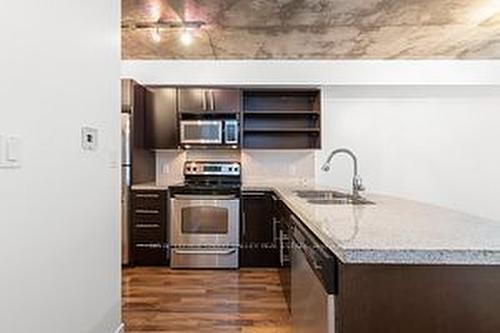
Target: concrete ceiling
x=318, y=29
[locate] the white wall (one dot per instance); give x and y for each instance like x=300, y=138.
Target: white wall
x=59, y=244
x=313, y=72
x=434, y=144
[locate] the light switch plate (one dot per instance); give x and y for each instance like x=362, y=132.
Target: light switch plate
x=10, y=152
x=2, y=149
x=13, y=149
x=89, y=138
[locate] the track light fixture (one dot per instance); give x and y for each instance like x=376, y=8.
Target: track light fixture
x=156, y=27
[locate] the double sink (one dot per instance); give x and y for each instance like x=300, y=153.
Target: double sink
x=331, y=198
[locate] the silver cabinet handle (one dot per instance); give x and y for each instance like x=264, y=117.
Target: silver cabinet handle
x=204, y=101
x=148, y=246
x=275, y=229
x=147, y=211
x=208, y=252
x=249, y=193
x=147, y=226
x=212, y=100
x=243, y=224
x=148, y=196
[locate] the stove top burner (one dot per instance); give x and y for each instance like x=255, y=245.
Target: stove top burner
x=210, y=178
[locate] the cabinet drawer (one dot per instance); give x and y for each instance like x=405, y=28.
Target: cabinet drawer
x=148, y=200
x=148, y=232
x=149, y=253
x=147, y=214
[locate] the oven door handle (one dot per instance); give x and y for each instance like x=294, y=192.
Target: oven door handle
x=204, y=197
x=207, y=252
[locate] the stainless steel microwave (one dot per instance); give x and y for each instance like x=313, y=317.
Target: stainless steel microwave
x=209, y=132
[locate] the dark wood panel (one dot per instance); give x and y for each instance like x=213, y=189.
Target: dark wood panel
x=147, y=199
x=284, y=100
x=281, y=122
x=281, y=140
x=159, y=299
x=149, y=234
x=161, y=118
x=192, y=100
x=416, y=299
x=149, y=253
x=226, y=100
x=259, y=232
x=143, y=160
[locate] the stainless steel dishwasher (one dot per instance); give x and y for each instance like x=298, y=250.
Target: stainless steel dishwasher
x=314, y=271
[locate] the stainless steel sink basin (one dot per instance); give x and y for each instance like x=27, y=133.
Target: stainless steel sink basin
x=331, y=198
x=341, y=201
x=321, y=194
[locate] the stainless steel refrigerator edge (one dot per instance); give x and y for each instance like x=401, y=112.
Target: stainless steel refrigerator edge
x=138, y=162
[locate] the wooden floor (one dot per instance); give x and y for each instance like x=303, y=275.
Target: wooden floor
x=165, y=300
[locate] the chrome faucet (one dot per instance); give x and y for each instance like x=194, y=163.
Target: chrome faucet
x=357, y=183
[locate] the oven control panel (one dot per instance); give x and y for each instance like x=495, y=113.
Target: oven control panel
x=212, y=169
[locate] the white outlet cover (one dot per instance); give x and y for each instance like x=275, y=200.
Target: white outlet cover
x=166, y=169
x=89, y=138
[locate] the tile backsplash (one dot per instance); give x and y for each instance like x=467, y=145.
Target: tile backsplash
x=258, y=166
x=293, y=167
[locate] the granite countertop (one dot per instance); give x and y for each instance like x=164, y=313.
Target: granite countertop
x=395, y=231
x=151, y=186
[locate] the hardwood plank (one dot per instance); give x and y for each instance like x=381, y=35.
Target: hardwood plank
x=158, y=299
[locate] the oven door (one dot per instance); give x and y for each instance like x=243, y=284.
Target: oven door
x=201, y=132
x=204, y=220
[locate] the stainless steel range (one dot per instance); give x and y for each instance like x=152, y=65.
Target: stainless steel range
x=205, y=216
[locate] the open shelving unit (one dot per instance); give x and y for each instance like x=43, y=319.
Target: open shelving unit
x=281, y=119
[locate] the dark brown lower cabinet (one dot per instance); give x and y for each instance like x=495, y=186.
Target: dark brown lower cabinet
x=149, y=228
x=259, y=231
x=418, y=298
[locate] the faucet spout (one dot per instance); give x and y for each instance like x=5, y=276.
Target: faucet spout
x=357, y=183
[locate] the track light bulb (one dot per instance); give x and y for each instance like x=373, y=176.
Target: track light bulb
x=156, y=35
x=186, y=38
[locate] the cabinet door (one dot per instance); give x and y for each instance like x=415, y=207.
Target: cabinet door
x=259, y=232
x=161, y=118
x=192, y=100
x=224, y=100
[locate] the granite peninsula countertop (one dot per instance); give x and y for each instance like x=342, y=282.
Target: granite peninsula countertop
x=394, y=230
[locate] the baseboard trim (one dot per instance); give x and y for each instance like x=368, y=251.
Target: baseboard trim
x=121, y=328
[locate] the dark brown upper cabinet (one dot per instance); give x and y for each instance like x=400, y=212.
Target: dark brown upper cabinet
x=161, y=118
x=202, y=100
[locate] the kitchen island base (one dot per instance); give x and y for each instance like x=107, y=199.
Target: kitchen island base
x=418, y=299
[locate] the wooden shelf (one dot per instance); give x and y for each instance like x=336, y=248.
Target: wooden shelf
x=281, y=119
x=287, y=129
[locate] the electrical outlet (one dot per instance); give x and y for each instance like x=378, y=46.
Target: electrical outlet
x=89, y=138
x=165, y=169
